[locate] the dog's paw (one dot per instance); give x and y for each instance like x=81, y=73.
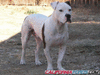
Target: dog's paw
x=38, y=63
x=60, y=68
x=49, y=68
x=22, y=62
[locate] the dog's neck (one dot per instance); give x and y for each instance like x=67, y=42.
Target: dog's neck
x=59, y=26
x=56, y=20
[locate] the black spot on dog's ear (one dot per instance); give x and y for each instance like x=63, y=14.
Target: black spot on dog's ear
x=68, y=3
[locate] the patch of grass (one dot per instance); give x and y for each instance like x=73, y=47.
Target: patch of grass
x=30, y=12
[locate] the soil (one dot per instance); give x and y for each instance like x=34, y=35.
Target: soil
x=83, y=47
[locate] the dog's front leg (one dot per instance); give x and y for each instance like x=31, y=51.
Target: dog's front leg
x=60, y=57
x=49, y=60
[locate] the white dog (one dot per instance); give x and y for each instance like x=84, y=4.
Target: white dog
x=52, y=31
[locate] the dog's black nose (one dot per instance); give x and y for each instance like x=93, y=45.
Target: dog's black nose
x=68, y=15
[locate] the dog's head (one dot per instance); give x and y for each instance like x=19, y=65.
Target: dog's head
x=62, y=11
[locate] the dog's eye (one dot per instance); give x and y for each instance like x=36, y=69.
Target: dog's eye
x=61, y=10
x=69, y=9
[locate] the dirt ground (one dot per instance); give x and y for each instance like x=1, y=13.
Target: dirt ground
x=83, y=47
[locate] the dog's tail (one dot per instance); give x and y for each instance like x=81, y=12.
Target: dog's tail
x=23, y=24
x=25, y=18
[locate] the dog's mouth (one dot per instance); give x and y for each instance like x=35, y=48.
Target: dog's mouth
x=68, y=20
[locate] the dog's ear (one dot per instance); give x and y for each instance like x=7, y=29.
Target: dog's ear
x=54, y=4
x=68, y=3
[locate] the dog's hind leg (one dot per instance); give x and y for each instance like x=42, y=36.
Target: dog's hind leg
x=25, y=35
x=39, y=42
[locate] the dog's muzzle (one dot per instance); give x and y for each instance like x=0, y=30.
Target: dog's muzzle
x=68, y=16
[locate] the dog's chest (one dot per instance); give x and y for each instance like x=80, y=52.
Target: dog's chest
x=58, y=39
